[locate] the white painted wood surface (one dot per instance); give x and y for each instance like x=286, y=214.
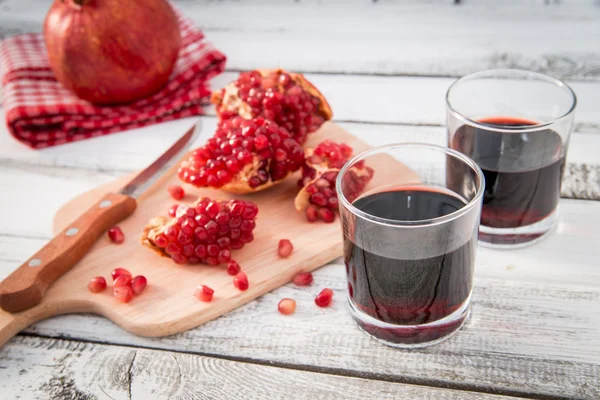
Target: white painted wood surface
x=536, y=325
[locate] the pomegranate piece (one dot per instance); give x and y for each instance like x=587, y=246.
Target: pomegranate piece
x=118, y=272
x=123, y=293
x=138, y=284
x=116, y=235
x=317, y=196
x=285, y=248
x=286, y=98
x=176, y=192
x=204, y=232
x=204, y=293
x=286, y=306
x=243, y=156
x=240, y=281
x=303, y=279
x=233, y=268
x=323, y=299
x=97, y=284
x=123, y=280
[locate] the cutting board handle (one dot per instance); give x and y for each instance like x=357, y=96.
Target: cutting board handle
x=10, y=325
x=25, y=287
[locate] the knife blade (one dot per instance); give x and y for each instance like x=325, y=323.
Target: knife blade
x=25, y=287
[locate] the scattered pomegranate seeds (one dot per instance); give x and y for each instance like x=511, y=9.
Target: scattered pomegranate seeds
x=323, y=299
x=138, y=284
x=123, y=280
x=116, y=235
x=176, y=192
x=303, y=279
x=287, y=306
x=240, y=281
x=123, y=293
x=97, y=284
x=173, y=210
x=204, y=293
x=118, y=272
x=233, y=268
x=285, y=248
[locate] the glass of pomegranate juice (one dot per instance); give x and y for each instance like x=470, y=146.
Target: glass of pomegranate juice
x=410, y=238
x=516, y=126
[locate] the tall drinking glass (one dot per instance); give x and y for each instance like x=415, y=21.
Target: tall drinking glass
x=516, y=126
x=410, y=238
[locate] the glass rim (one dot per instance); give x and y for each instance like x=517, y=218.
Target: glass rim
x=415, y=223
x=526, y=128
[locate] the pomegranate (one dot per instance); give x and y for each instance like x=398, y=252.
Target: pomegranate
x=173, y=210
x=124, y=294
x=233, y=268
x=243, y=156
x=286, y=98
x=122, y=280
x=138, y=284
x=240, y=281
x=204, y=293
x=286, y=306
x=97, y=284
x=285, y=248
x=303, y=279
x=204, y=232
x=176, y=192
x=116, y=235
x=110, y=51
x=118, y=272
x=317, y=196
x=324, y=298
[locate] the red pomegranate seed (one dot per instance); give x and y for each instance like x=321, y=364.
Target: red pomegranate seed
x=123, y=293
x=138, y=284
x=326, y=215
x=118, y=272
x=97, y=284
x=233, y=268
x=123, y=280
x=176, y=192
x=323, y=299
x=285, y=248
x=204, y=293
x=116, y=235
x=287, y=306
x=173, y=210
x=303, y=279
x=240, y=281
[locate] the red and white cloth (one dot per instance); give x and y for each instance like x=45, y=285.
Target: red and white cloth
x=40, y=112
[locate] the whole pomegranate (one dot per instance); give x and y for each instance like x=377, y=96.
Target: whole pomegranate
x=112, y=51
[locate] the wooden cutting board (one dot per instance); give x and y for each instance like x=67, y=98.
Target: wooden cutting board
x=168, y=306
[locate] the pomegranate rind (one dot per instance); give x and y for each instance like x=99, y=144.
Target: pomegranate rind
x=302, y=198
x=239, y=184
x=233, y=103
x=154, y=227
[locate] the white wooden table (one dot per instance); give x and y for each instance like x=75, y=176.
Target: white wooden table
x=384, y=66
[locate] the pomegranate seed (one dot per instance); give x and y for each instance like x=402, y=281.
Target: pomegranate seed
x=285, y=248
x=123, y=280
x=116, y=235
x=123, y=293
x=204, y=293
x=176, y=192
x=312, y=213
x=233, y=268
x=326, y=215
x=303, y=279
x=240, y=281
x=118, y=272
x=138, y=284
x=173, y=210
x=97, y=284
x=323, y=299
x=286, y=306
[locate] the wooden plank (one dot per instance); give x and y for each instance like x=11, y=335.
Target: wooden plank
x=33, y=367
x=393, y=37
x=535, y=327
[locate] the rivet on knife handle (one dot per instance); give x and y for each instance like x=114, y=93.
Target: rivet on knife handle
x=25, y=287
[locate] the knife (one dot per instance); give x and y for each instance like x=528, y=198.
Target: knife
x=25, y=287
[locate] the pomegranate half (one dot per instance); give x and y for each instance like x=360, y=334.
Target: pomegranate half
x=112, y=51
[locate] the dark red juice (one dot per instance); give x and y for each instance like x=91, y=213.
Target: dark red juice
x=523, y=171
x=408, y=291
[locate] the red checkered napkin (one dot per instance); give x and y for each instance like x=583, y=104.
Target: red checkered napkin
x=40, y=112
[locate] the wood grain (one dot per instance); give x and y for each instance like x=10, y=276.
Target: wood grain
x=172, y=285
x=60, y=369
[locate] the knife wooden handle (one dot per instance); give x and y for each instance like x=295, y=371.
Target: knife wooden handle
x=25, y=287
